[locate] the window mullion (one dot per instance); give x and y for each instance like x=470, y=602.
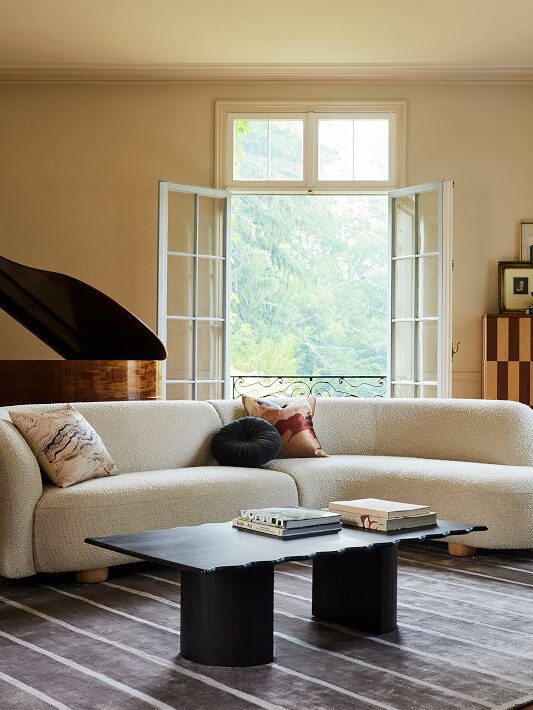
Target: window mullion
x=310, y=150
x=269, y=157
x=353, y=149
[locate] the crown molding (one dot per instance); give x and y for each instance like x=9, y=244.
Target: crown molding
x=369, y=73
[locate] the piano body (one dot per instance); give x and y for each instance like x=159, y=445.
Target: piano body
x=109, y=354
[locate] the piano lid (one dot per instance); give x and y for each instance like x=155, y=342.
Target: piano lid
x=74, y=319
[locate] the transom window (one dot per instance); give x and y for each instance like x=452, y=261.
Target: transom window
x=323, y=148
x=353, y=149
x=268, y=149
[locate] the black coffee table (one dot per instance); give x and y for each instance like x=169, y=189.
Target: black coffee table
x=227, y=582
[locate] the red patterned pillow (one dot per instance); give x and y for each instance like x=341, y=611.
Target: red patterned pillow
x=294, y=422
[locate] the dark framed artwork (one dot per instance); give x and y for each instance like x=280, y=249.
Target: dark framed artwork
x=515, y=286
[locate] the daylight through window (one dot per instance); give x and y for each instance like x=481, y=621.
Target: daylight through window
x=309, y=236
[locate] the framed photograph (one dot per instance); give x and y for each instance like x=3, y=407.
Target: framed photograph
x=515, y=286
x=526, y=240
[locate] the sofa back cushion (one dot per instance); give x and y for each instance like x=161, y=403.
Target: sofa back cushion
x=342, y=425
x=153, y=435
x=486, y=431
x=228, y=409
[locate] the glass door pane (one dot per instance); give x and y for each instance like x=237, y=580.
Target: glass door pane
x=192, y=317
x=427, y=357
x=428, y=231
x=180, y=351
x=180, y=222
x=420, y=362
x=404, y=235
x=210, y=288
x=180, y=285
x=404, y=291
x=210, y=361
x=403, y=391
x=403, y=334
x=211, y=226
x=428, y=286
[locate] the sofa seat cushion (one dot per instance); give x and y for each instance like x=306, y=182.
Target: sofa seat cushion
x=148, y=500
x=500, y=497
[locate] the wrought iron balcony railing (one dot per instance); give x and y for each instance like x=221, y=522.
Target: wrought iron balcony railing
x=303, y=386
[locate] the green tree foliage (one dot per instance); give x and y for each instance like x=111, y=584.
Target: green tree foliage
x=309, y=283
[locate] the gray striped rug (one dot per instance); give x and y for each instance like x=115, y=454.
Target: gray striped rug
x=465, y=640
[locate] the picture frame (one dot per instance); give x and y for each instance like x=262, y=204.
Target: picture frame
x=515, y=285
x=526, y=240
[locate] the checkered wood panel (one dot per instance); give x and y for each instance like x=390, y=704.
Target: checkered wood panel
x=508, y=358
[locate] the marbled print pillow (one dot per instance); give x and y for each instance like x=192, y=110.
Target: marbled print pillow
x=66, y=446
x=294, y=422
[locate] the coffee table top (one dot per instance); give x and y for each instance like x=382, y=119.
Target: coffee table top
x=215, y=546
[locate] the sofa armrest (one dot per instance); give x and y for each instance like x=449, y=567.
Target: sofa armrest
x=20, y=488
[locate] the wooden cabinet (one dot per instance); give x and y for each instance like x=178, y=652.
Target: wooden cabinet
x=508, y=357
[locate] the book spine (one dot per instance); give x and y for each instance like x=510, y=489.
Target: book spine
x=258, y=527
x=378, y=516
x=368, y=522
x=264, y=518
x=371, y=522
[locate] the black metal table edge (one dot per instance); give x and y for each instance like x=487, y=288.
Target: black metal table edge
x=101, y=542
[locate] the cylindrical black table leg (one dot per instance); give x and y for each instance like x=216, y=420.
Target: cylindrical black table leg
x=358, y=588
x=227, y=616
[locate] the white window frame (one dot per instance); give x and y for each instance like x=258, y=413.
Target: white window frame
x=227, y=111
x=443, y=383
x=163, y=315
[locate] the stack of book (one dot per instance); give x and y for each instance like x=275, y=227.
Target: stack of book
x=288, y=523
x=383, y=515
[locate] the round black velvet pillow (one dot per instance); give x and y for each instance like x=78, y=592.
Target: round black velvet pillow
x=249, y=441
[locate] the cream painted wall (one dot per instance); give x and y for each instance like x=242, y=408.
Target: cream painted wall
x=80, y=165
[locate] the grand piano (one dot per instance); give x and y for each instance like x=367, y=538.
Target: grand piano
x=108, y=353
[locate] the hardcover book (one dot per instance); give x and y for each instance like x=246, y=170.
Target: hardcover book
x=378, y=508
x=291, y=517
x=285, y=533
x=371, y=522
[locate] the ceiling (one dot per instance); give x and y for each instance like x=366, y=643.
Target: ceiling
x=288, y=36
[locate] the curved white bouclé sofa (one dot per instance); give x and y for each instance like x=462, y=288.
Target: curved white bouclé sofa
x=470, y=460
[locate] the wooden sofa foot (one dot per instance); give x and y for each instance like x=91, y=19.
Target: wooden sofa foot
x=92, y=576
x=461, y=550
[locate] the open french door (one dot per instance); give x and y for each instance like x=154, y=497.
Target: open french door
x=420, y=361
x=193, y=290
